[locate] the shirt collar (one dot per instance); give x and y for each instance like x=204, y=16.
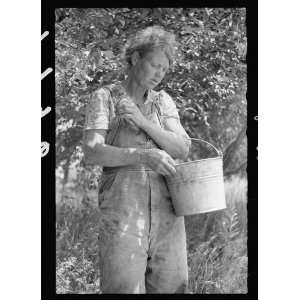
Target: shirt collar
x=150, y=97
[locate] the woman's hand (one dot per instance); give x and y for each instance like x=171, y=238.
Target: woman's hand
x=129, y=110
x=159, y=161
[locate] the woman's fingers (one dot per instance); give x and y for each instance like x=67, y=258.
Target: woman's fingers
x=167, y=171
x=162, y=162
x=166, y=168
x=126, y=116
x=126, y=105
x=162, y=170
x=125, y=110
x=169, y=159
x=129, y=118
x=125, y=101
x=171, y=170
x=172, y=161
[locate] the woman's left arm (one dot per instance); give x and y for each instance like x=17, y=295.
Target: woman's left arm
x=172, y=138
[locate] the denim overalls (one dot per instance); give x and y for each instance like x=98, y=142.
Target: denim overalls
x=142, y=243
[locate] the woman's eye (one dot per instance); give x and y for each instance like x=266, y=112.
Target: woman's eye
x=158, y=67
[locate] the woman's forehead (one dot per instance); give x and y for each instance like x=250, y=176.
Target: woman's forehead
x=158, y=56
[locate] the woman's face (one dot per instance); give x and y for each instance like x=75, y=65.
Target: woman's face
x=151, y=69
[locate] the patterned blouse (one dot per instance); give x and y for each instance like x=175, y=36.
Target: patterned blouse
x=101, y=108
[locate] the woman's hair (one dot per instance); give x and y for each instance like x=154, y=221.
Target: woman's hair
x=146, y=40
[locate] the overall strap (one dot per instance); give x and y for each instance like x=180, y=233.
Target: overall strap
x=158, y=112
x=111, y=136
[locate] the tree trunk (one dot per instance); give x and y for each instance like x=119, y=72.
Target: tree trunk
x=66, y=177
x=232, y=148
x=240, y=168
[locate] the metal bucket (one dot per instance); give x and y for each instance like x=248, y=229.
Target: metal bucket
x=198, y=186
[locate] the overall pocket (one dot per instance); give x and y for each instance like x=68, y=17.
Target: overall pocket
x=105, y=184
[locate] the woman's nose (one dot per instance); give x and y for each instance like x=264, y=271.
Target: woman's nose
x=158, y=74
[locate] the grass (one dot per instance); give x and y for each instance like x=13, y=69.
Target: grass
x=216, y=242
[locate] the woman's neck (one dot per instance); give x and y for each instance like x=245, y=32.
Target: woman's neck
x=135, y=91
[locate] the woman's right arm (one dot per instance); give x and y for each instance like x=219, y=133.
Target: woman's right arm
x=96, y=152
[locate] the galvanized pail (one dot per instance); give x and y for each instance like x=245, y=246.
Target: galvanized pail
x=198, y=186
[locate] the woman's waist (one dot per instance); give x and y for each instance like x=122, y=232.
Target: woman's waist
x=134, y=167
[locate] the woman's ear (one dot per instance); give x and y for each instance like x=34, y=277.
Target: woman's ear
x=135, y=58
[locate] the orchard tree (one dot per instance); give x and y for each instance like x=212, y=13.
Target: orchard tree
x=207, y=81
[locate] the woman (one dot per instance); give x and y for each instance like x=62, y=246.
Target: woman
x=135, y=133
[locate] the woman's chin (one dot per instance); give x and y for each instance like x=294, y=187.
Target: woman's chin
x=152, y=85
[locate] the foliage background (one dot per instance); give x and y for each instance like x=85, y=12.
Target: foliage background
x=208, y=82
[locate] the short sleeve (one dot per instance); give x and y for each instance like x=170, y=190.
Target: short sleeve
x=169, y=110
x=97, y=110
x=168, y=106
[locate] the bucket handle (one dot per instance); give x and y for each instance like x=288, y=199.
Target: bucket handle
x=219, y=152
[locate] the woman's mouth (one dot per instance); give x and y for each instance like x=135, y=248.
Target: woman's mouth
x=154, y=81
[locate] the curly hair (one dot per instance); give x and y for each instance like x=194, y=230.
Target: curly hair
x=148, y=39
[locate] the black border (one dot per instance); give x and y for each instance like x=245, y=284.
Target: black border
x=48, y=238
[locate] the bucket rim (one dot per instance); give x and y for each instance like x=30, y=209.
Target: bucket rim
x=199, y=160
x=179, y=214
x=176, y=180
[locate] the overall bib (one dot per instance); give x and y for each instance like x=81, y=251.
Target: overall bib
x=142, y=243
